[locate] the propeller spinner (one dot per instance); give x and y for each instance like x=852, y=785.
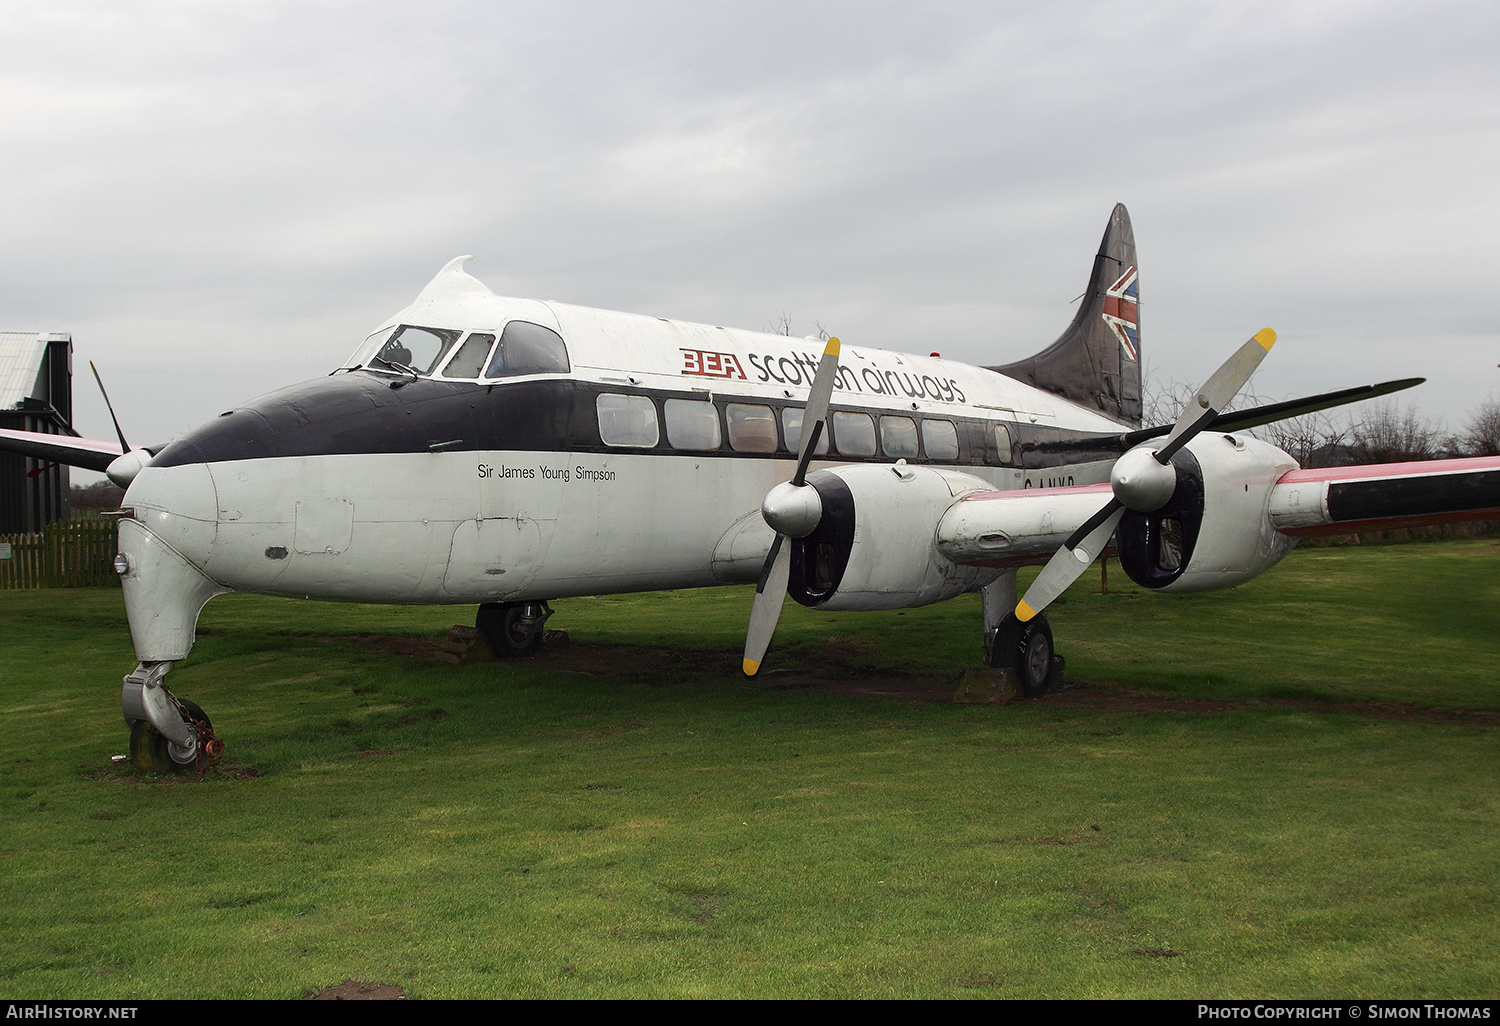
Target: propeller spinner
x=792, y=510
x=1143, y=479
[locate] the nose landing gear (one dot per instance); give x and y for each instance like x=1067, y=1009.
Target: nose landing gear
x=167, y=734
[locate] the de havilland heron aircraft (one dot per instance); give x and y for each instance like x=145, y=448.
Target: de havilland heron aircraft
x=508, y=452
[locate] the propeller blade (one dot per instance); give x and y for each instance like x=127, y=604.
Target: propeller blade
x=1069, y=562
x=124, y=445
x=1218, y=392
x=770, y=594
x=815, y=416
x=800, y=477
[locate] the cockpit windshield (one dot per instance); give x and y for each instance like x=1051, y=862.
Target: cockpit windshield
x=523, y=348
x=407, y=348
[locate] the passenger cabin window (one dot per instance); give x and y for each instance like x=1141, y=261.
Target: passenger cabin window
x=414, y=348
x=898, y=436
x=1002, y=444
x=527, y=348
x=751, y=428
x=627, y=420
x=469, y=360
x=692, y=424
x=853, y=433
x=941, y=439
x=791, y=422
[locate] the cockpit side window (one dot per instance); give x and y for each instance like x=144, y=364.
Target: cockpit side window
x=527, y=348
x=469, y=360
x=415, y=347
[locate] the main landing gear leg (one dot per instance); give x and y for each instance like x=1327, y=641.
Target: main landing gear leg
x=513, y=629
x=167, y=734
x=1023, y=648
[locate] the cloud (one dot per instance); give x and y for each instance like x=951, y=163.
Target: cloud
x=220, y=199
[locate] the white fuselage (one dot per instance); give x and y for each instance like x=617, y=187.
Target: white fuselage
x=317, y=502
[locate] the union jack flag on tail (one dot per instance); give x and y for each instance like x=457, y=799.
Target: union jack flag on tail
x=1121, y=303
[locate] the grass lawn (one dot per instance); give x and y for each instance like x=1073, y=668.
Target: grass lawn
x=510, y=830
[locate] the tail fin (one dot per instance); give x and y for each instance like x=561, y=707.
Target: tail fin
x=1097, y=361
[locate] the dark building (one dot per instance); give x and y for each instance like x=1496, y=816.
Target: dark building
x=36, y=394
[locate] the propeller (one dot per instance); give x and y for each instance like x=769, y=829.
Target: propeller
x=1143, y=479
x=124, y=445
x=792, y=510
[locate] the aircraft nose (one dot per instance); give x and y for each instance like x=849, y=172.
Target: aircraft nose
x=180, y=506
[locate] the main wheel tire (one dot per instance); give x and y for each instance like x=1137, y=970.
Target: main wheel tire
x=150, y=751
x=1026, y=649
x=503, y=627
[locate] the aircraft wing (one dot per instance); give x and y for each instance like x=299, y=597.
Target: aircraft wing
x=1025, y=527
x=1018, y=527
x=1386, y=496
x=75, y=452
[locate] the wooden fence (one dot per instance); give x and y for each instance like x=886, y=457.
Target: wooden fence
x=68, y=554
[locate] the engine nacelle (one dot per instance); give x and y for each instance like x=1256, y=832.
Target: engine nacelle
x=1215, y=531
x=873, y=546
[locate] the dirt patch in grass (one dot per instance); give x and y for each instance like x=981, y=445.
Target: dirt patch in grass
x=849, y=668
x=415, y=648
x=835, y=666
x=1118, y=698
x=359, y=990
x=129, y=775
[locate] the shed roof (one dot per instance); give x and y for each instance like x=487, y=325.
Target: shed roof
x=21, y=356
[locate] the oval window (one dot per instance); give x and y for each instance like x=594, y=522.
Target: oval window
x=1002, y=444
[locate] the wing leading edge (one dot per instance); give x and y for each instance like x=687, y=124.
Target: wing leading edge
x=75, y=452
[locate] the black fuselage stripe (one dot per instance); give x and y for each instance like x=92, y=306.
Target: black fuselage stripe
x=360, y=413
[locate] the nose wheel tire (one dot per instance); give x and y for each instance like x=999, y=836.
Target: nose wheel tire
x=150, y=751
x=1026, y=650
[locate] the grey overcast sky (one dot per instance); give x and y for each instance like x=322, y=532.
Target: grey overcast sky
x=219, y=199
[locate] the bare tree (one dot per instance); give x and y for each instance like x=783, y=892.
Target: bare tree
x=1162, y=401
x=783, y=326
x=1389, y=433
x=1313, y=440
x=1483, y=436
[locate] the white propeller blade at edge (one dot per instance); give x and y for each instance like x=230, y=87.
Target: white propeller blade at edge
x=1065, y=567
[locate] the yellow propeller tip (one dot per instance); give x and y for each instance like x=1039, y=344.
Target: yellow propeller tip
x=1023, y=611
x=1266, y=337
x=751, y=667
x=832, y=349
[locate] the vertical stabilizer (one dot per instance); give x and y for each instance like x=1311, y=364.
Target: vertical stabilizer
x=1097, y=361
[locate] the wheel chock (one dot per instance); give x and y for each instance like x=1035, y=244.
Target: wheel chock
x=990, y=686
x=465, y=646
